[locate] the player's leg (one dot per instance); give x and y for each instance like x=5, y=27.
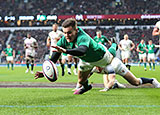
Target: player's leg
x=75, y=65
x=12, y=65
x=27, y=64
x=83, y=73
x=153, y=61
x=149, y=62
x=144, y=61
x=69, y=64
x=62, y=62
x=121, y=69
x=32, y=65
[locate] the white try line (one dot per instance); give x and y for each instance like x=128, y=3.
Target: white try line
x=82, y=106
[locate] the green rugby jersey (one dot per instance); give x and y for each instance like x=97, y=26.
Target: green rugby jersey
x=150, y=48
x=95, y=51
x=142, y=48
x=101, y=40
x=9, y=51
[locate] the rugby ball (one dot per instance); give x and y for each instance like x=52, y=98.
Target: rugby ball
x=158, y=24
x=50, y=70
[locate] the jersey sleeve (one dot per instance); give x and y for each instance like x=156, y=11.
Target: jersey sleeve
x=84, y=41
x=106, y=39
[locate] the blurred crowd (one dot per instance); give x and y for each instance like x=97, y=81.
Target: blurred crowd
x=17, y=40
x=76, y=7
x=72, y=7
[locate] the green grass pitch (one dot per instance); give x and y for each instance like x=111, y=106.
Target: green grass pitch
x=61, y=101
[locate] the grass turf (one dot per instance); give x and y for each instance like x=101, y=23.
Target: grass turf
x=40, y=101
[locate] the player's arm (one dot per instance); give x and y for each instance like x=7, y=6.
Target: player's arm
x=35, y=44
x=108, y=41
x=157, y=46
x=14, y=53
x=132, y=46
x=139, y=50
x=120, y=47
x=48, y=41
x=80, y=51
x=4, y=53
x=155, y=31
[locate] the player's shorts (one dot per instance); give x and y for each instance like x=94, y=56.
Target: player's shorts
x=151, y=56
x=125, y=54
x=141, y=56
x=106, y=60
x=9, y=58
x=30, y=54
x=117, y=66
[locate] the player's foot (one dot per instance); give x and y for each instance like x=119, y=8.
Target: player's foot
x=27, y=71
x=69, y=71
x=155, y=83
x=150, y=69
x=153, y=69
x=82, y=90
x=32, y=72
x=75, y=72
x=145, y=69
x=104, y=90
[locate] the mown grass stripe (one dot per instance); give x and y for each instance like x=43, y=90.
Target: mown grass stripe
x=83, y=106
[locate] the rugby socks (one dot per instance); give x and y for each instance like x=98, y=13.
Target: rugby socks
x=75, y=65
x=69, y=68
x=32, y=66
x=12, y=65
x=145, y=65
x=27, y=65
x=150, y=66
x=8, y=65
x=62, y=66
x=153, y=66
x=145, y=80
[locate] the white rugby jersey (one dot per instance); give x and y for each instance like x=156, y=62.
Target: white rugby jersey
x=30, y=43
x=126, y=44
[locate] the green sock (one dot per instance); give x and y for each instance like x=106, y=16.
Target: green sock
x=12, y=66
x=112, y=49
x=150, y=66
x=153, y=65
x=8, y=65
x=145, y=65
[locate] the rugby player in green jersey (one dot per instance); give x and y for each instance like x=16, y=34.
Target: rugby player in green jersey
x=78, y=43
x=142, y=53
x=151, y=55
x=10, y=54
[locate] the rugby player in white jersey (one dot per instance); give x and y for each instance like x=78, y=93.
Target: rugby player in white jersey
x=52, y=40
x=126, y=46
x=78, y=43
x=30, y=46
x=156, y=30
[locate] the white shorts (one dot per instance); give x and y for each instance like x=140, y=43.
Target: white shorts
x=151, y=56
x=106, y=60
x=125, y=54
x=141, y=56
x=30, y=53
x=9, y=58
x=117, y=65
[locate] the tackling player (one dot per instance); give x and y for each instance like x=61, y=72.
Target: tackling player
x=10, y=55
x=126, y=46
x=30, y=46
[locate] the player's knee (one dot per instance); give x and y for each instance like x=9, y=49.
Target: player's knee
x=136, y=83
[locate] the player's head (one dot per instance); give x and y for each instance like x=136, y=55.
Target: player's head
x=142, y=41
x=126, y=36
x=69, y=27
x=150, y=42
x=8, y=46
x=28, y=35
x=55, y=27
x=99, y=33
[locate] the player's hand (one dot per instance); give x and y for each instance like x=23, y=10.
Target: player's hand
x=39, y=74
x=58, y=49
